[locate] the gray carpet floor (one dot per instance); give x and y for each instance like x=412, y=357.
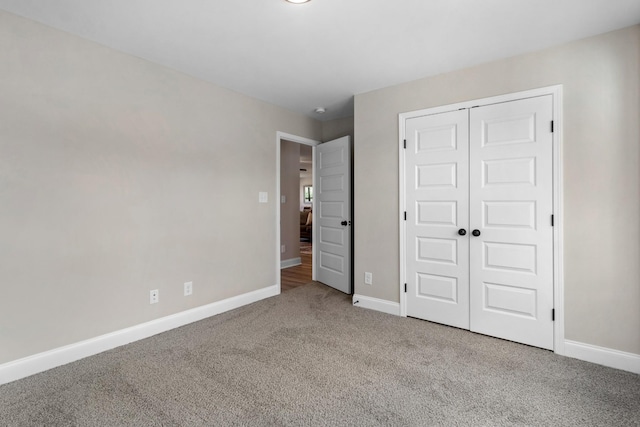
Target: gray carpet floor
x=308, y=357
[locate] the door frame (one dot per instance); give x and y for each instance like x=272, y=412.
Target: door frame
x=558, y=211
x=280, y=136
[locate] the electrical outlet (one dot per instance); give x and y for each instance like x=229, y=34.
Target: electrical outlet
x=283, y=248
x=154, y=296
x=368, y=278
x=188, y=288
x=283, y=199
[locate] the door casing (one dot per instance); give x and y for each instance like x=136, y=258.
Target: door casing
x=558, y=276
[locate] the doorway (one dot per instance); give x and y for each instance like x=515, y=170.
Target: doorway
x=295, y=265
x=331, y=211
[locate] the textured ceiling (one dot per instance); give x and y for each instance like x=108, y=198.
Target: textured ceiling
x=323, y=52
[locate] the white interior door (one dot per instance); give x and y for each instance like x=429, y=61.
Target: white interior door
x=437, y=196
x=511, y=203
x=332, y=214
x=487, y=171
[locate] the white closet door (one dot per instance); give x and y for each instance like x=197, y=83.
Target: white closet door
x=437, y=192
x=511, y=190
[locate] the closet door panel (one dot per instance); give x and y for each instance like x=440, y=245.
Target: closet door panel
x=437, y=208
x=511, y=203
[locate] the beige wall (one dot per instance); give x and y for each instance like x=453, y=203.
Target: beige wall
x=337, y=128
x=601, y=175
x=118, y=176
x=290, y=210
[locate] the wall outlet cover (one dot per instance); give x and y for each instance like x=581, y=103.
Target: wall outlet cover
x=368, y=278
x=154, y=296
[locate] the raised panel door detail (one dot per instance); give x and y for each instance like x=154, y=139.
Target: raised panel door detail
x=510, y=300
x=509, y=172
x=332, y=262
x=331, y=183
x=442, y=175
x=511, y=202
x=440, y=288
x=510, y=215
x=437, y=203
x=437, y=213
x=519, y=129
x=331, y=159
x=332, y=236
x=332, y=203
x=437, y=250
x=436, y=138
x=511, y=257
x=332, y=210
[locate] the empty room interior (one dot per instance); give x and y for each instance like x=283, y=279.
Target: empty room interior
x=319, y=212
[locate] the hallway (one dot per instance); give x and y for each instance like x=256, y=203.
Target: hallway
x=299, y=275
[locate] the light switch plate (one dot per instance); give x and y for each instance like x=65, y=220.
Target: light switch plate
x=263, y=197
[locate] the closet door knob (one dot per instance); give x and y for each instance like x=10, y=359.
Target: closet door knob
x=462, y=232
x=476, y=232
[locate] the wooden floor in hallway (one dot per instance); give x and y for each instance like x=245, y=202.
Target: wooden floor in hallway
x=299, y=275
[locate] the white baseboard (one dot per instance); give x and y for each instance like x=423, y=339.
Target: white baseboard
x=286, y=263
x=40, y=362
x=377, y=304
x=603, y=356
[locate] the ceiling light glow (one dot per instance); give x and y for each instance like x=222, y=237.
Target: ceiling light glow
x=298, y=1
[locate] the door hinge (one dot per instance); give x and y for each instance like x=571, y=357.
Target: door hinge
x=552, y=220
x=551, y=126
x=405, y=144
x=405, y=215
x=553, y=314
x=405, y=288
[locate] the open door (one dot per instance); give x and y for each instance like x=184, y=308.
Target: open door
x=332, y=214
